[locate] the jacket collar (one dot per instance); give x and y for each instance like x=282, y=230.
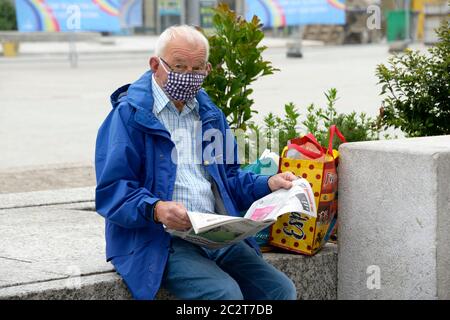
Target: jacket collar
x=140, y=96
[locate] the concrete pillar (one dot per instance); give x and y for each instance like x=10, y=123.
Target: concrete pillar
x=150, y=15
x=193, y=12
x=394, y=219
x=240, y=7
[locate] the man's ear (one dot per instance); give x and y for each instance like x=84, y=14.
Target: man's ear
x=208, y=68
x=154, y=63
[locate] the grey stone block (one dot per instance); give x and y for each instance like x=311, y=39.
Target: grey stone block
x=47, y=243
x=106, y=286
x=58, y=252
x=315, y=279
x=394, y=214
x=46, y=198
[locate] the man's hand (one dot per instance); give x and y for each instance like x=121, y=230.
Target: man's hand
x=172, y=214
x=281, y=180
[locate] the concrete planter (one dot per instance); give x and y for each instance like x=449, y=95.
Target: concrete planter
x=394, y=219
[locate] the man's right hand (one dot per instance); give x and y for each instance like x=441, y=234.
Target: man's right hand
x=172, y=214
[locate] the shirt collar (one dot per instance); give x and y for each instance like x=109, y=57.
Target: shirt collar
x=159, y=96
x=161, y=100
x=192, y=105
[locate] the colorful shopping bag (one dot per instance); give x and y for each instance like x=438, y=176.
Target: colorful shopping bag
x=299, y=232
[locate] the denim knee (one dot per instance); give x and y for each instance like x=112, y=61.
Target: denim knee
x=289, y=291
x=286, y=290
x=227, y=290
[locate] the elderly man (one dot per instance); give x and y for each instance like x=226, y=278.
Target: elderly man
x=145, y=182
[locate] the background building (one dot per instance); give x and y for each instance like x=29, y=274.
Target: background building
x=159, y=14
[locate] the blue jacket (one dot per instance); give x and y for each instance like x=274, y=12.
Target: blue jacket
x=134, y=169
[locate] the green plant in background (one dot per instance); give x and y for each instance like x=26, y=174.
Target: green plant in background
x=354, y=126
x=285, y=128
x=417, y=89
x=236, y=60
x=7, y=16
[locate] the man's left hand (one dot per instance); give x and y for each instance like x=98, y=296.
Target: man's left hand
x=281, y=180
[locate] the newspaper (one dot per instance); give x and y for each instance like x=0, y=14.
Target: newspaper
x=216, y=231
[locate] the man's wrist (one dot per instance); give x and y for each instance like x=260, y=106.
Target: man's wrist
x=154, y=211
x=151, y=212
x=268, y=182
x=261, y=186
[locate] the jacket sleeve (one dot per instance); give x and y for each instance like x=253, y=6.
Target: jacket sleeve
x=246, y=187
x=119, y=196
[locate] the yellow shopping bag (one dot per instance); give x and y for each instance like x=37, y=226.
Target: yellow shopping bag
x=300, y=232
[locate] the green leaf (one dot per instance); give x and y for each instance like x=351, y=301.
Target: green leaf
x=235, y=54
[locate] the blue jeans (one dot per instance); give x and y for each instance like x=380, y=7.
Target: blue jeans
x=235, y=272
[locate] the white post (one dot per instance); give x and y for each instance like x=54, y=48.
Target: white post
x=294, y=49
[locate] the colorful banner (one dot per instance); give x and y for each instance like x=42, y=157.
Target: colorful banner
x=207, y=13
x=281, y=13
x=78, y=15
x=131, y=14
x=169, y=7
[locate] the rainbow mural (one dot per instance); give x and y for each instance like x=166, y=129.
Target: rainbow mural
x=281, y=13
x=110, y=7
x=338, y=4
x=274, y=12
x=43, y=15
x=131, y=13
x=94, y=15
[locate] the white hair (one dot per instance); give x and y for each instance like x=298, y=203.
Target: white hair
x=189, y=33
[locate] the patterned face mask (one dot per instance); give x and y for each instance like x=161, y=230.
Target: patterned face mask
x=182, y=86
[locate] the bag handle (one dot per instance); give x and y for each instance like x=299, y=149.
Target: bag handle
x=334, y=130
x=306, y=152
x=297, y=142
x=309, y=137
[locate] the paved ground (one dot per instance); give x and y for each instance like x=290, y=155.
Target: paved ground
x=50, y=113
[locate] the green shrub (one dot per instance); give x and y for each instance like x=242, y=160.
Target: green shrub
x=236, y=60
x=285, y=128
x=354, y=126
x=417, y=89
x=7, y=16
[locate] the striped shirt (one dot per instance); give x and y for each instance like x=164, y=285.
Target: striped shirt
x=193, y=183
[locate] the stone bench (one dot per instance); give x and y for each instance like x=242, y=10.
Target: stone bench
x=315, y=279
x=52, y=247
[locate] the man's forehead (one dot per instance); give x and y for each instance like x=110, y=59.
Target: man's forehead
x=179, y=57
x=180, y=49
x=182, y=56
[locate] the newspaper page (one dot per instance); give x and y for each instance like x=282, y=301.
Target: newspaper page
x=216, y=231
